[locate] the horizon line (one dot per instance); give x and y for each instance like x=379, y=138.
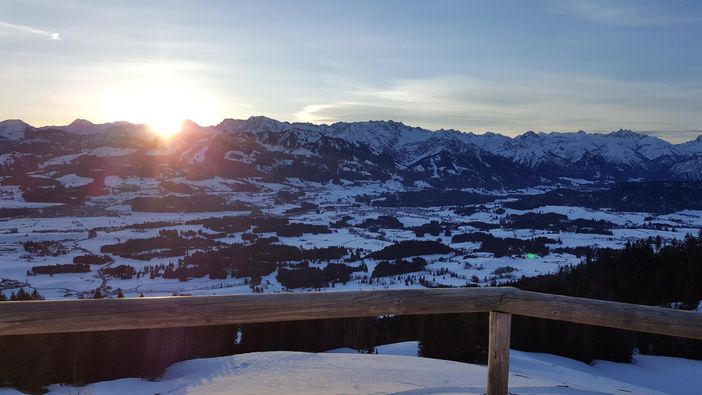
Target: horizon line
x=650, y=133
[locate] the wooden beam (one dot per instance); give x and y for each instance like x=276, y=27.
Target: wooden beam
x=633, y=317
x=498, y=353
x=57, y=316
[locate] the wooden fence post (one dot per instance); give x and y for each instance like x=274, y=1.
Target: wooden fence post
x=498, y=353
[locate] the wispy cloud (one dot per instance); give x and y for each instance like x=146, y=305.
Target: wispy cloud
x=676, y=137
x=31, y=30
x=530, y=101
x=620, y=13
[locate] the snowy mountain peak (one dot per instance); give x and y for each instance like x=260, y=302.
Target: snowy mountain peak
x=260, y=122
x=189, y=123
x=16, y=123
x=256, y=124
x=693, y=147
x=627, y=134
x=530, y=135
x=12, y=129
x=81, y=123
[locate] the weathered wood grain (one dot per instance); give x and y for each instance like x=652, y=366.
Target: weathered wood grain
x=498, y=353
x=35, y=317
x=633, y=317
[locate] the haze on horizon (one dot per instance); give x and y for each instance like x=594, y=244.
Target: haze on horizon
x=504, y=66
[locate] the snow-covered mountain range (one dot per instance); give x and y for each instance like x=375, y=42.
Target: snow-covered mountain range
x=264, y=147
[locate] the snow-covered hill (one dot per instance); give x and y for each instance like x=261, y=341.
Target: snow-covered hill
x=12, y=130
x=347, y=373
x=692, y=147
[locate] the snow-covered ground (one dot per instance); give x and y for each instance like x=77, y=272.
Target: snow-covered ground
x=397, y=370
x=111, y=221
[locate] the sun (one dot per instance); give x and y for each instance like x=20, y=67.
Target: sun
x=165, y=128
x=160, y=109
x=163, y=107
x=162, y=122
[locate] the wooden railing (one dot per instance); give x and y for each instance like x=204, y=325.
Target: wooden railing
x=58, y=316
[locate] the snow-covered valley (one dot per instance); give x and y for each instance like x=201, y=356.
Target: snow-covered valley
x=332, y=218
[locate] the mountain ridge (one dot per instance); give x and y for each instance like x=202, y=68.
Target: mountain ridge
x=264, y=120
x=370, y=150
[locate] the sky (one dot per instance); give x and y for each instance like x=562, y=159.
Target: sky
x=501, y=66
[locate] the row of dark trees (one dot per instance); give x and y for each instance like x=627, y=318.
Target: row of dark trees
x=409, y=248
x=194, y=202
x=556, y=223
x=506, y=246
x=400, y=266
x=45, y=248
x=21, y=295
x=91, y=259
x=304, y=276
x=61, y=268
x=168, y=243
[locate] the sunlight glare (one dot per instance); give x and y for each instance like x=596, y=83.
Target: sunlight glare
x=162, y=107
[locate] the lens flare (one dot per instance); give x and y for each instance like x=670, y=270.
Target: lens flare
x=163, y=107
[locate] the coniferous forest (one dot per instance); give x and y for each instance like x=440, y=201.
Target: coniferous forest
x=644, y=272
